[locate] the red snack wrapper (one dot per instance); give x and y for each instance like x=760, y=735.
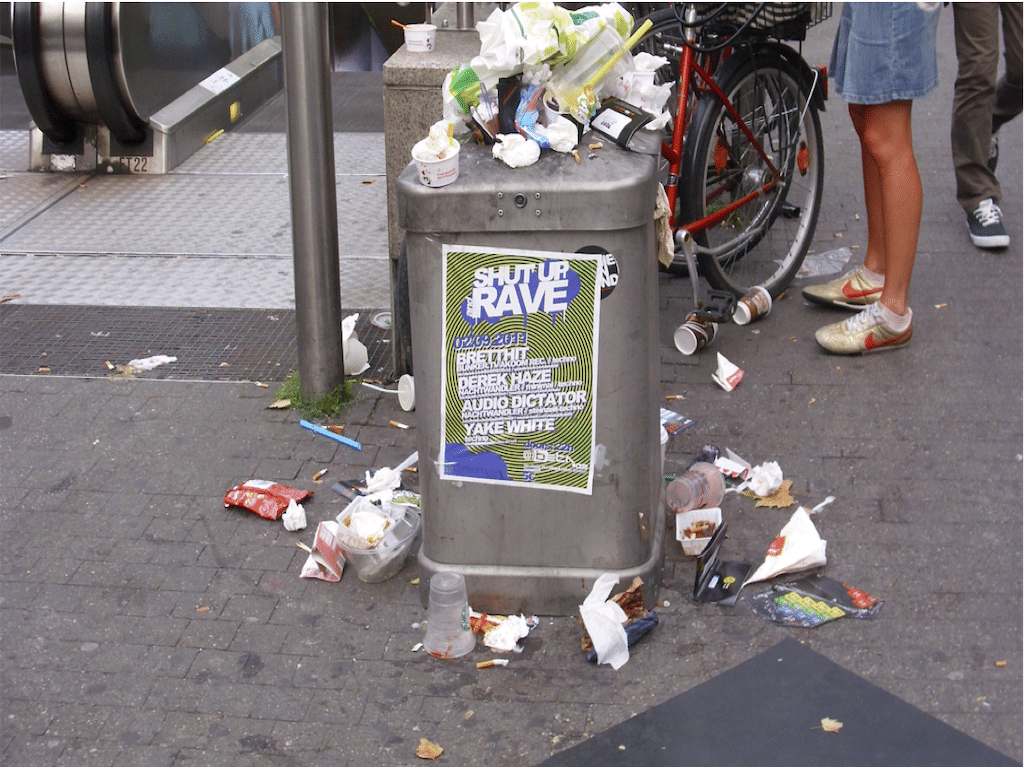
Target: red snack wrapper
x=268, y=499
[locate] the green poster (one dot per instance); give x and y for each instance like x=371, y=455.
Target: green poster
x=519, y=379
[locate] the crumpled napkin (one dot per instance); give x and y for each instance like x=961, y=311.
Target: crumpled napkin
x=765, y=479
x=604, y=621
x=294, y=517
x=515, y=150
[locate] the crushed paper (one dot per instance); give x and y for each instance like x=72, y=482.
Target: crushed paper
x=831, y=725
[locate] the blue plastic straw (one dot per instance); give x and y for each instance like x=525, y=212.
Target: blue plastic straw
x=328, y=433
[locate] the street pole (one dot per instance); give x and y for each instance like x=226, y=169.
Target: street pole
x=307, y=84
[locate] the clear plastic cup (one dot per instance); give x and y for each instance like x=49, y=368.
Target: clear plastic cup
x=701, y=487
x=449, y=634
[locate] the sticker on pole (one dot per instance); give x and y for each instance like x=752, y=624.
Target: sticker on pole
x=519, y=376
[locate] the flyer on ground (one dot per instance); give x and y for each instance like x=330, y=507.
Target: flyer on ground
x=519, y=376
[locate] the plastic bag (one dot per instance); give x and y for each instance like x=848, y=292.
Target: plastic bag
x=527, y=36
x=798, y=547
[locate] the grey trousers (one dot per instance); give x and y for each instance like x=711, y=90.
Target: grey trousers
x=980, y=104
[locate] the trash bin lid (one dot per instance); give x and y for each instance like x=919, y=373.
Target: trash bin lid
x=608, y=189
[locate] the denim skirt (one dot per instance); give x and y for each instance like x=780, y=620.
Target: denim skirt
x=885, y=52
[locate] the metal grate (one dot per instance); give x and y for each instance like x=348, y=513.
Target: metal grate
x=210, y=344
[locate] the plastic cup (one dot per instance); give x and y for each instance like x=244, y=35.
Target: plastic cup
x=407, y=392
x=701, y=487
x=434, y=172
x=753, y=306
x=695, y=333
x=419, y=38
x=449, y=634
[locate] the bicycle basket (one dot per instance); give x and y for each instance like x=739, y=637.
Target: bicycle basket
x=784, y=21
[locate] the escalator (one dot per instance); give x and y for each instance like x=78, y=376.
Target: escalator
x=138, y=87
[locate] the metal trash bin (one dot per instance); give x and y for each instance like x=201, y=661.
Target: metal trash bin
x=525, y=547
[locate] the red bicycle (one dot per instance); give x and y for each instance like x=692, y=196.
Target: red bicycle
x=744, y=157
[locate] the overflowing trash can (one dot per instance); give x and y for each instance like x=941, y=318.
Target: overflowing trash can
x=534, y=316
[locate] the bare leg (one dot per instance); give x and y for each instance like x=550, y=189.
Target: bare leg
x=894, y=205
x=874, y=258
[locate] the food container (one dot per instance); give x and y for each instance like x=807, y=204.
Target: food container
x=384, y=560
x=434, y=172
x=686, y=520
x=419, y=38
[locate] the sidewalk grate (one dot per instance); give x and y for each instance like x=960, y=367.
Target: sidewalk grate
x=210, y=344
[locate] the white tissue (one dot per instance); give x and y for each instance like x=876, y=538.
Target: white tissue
x=765, y=479
x=515, y=151
x=562, y=134
x=604, y=621
x=506, y=635
x=148, y=363
x=294, y=517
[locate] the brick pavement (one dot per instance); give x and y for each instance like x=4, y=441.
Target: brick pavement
x=144, y=624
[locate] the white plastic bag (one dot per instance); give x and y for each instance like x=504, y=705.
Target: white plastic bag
x=797, y=547
x=604, y=621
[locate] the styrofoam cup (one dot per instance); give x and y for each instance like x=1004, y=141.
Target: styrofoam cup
x=435, y=173
x=420, y=37
x=407, y=392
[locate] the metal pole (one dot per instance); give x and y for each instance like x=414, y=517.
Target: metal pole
x=307, y=84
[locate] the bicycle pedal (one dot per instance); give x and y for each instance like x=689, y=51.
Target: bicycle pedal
x=718, y=306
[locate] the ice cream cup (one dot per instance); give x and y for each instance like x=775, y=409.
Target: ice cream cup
x=419, y=38
x=434, y=172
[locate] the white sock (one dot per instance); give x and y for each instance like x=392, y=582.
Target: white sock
x=897, y=322
x=874, y=279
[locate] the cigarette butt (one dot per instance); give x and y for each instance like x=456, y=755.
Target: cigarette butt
x=304, y=547
x=109, y=364
x=1000, y=664
x=596, y=145
x=411, y=469
x=576, y=156
x=262, y=385
x=398, y=425
x=675, y=396
x=319, y=474
x=485, y=664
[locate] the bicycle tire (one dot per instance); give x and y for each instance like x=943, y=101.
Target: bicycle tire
x=763, y=242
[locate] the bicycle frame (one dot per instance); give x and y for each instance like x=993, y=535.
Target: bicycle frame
x=689, y=69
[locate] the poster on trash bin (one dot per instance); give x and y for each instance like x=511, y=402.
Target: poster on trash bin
x=519, y=378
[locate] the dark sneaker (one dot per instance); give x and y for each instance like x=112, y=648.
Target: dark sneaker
x=986, y=226
x=993, y=153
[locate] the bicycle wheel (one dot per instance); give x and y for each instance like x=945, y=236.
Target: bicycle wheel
x=764, y=240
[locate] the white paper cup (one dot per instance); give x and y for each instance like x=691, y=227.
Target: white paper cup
x=407, y=392
x=419, y=38
x=435, y=173
x=753, y=306
x=695, y=333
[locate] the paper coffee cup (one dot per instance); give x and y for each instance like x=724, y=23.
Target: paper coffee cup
x=695, y=333
x=753, y=306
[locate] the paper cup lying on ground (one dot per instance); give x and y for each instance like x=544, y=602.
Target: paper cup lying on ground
x=419, y=38
x=407, y=392
x=435, y=172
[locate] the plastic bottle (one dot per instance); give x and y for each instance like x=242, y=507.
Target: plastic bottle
x=701, y=487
